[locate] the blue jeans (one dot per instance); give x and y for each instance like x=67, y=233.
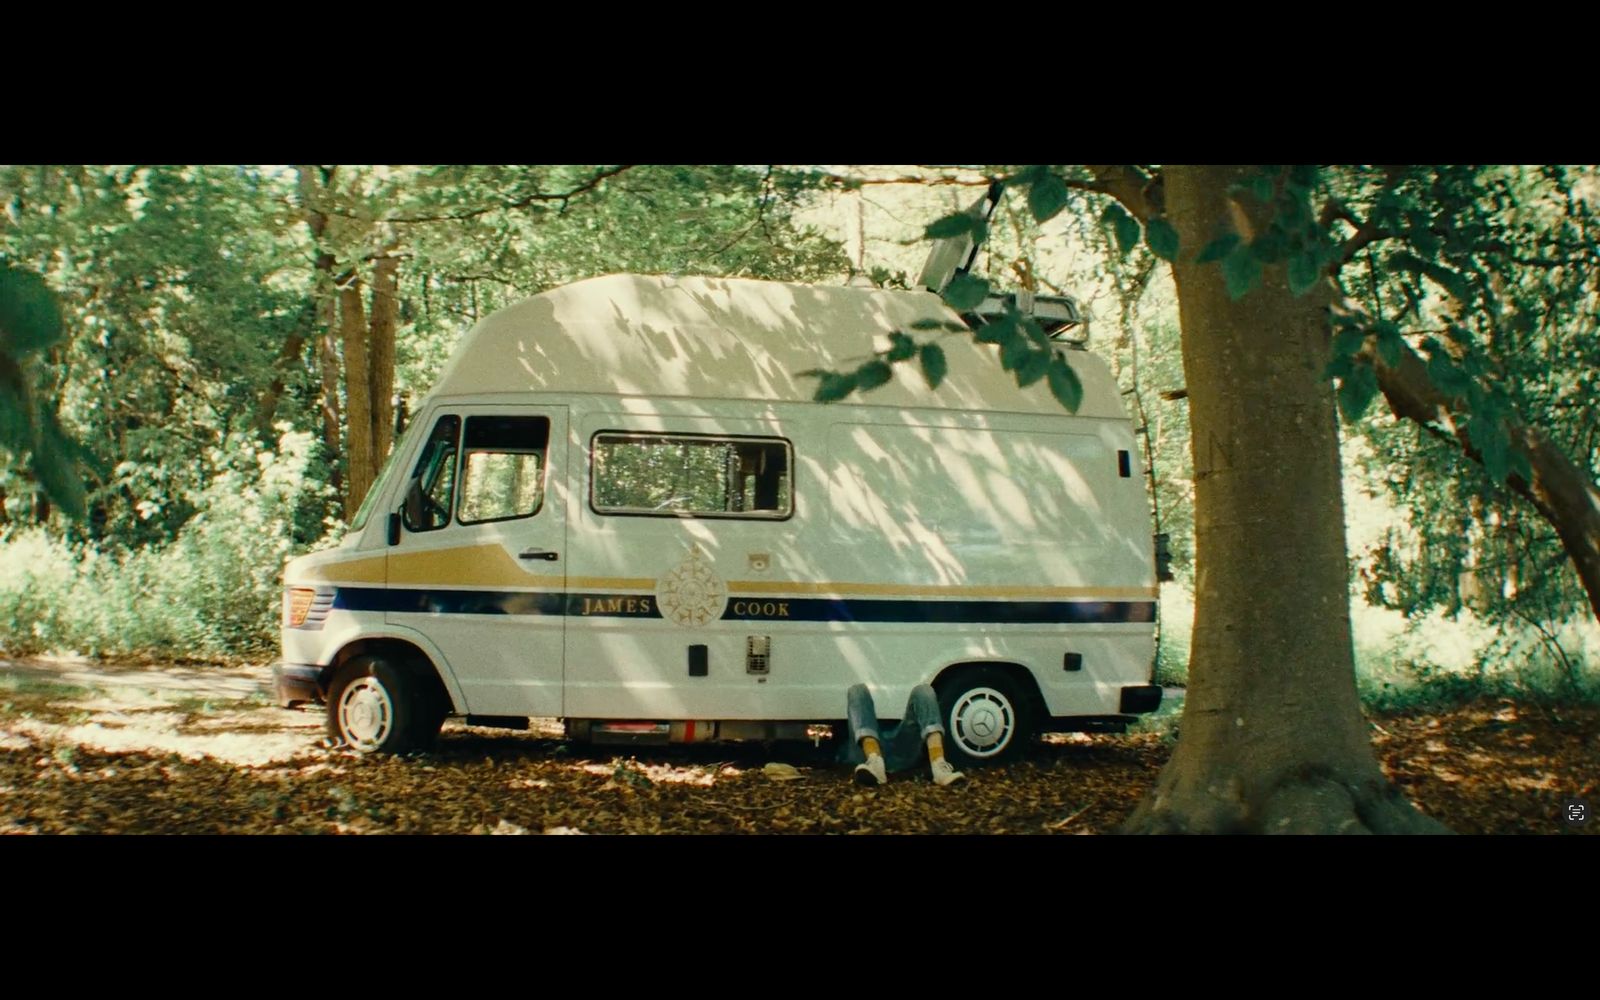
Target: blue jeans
x=902, y=745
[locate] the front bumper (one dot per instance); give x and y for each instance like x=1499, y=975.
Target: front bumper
x=293, y=683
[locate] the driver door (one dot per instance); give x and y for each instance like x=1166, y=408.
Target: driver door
x=480, y=564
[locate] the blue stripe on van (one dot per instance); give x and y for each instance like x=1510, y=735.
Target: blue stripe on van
x=487, y=602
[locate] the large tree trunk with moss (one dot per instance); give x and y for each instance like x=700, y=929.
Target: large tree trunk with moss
x=1272, y=737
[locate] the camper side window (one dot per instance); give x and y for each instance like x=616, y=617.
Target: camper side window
x=690, y=475
x=432, y=488
x=502, y=468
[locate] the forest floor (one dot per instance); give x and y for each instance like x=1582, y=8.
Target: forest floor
x=96, y=748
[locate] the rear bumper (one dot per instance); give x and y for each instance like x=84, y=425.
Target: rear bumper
x=293, y=683
x=1140, y=700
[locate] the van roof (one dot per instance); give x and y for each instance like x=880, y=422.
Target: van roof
x=657, y=336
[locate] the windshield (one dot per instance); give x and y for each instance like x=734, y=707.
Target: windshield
x=378, y=485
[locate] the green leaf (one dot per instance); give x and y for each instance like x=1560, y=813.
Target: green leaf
x=1163, y=239
x=1029, y=174
x=1304, y=271
x=1035, y=332
x=1123, y=226
x=1446, y=377
x=1347, y=342
x=30, y=320
x=17, y=432
x=1390, y=346
x=1034, y=367
x=873, y=374
x=1047, y=197
x=1240, y=271
x=901, y=347
x=997, y=331
x=1270, y=246
x=934, y=365
x=1520, y=466
x=966, y=292
x=835, y=386
x=1218, y=248
x=1261, y=186
x=1420, y=233
x=959, y=224
x=1488, y=435
x=57, y=473
x=1014, y=352
x=1064, y=384
x=1356, y=391
x=1303, y=175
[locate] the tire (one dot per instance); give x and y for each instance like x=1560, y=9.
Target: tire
x=987, y=717
x=377, y=706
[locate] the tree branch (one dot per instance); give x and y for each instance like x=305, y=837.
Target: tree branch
x=1562, y=492
x=508, y=205
x=1137, y=189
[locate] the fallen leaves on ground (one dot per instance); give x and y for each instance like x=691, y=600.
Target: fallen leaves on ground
x=1493, y=769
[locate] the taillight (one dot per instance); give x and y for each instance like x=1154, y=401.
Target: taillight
x=296, y=603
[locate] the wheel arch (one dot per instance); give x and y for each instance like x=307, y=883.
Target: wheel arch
x=1017, y=672
x=402, y=650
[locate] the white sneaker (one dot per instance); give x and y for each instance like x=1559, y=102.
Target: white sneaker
x=946, y=774
x=871, y=773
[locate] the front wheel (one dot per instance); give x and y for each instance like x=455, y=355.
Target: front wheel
x=375, y=706
x=985, y=716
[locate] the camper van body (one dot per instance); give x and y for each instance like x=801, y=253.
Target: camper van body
x=620, y=507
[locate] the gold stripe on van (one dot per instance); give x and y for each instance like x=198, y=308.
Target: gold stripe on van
x=370, y=569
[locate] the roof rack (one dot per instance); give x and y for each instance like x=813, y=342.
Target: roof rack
x=954, y=255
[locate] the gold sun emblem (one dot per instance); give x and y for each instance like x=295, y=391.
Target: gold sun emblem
x=690, y=593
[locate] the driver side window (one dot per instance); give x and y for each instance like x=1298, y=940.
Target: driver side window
x=433, y=481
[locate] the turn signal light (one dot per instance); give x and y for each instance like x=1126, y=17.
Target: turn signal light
x=296, y=602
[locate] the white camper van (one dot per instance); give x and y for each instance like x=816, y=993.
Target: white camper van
x=621, y=508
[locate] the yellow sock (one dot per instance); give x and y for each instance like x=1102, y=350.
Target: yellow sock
x=935, y=748
x=870, y=745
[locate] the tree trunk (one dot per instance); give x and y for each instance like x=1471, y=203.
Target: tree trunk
x=1273, y=739
x=380, y=370
x=1562, y=492
x=357, y=394
x=326, y=312
x=267, y=406
x=328, y=363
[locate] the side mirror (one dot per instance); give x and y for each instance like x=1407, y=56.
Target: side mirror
x=394, y=528
x=415, y=518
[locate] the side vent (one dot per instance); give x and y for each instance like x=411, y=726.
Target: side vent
x=699, y=660
x=758, y=654
x=1124, y=464
x=1072, y=661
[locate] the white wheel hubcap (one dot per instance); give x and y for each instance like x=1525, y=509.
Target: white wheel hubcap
x=366, y=715
x=983, y=722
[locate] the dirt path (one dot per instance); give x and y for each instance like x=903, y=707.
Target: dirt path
x=92, y=748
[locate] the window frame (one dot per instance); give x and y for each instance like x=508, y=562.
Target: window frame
x=461, y=467
x=635, y=435
x=455, y=472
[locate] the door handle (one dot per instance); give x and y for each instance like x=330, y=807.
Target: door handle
x=539, y=554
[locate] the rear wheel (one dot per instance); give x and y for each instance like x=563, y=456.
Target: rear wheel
x=985, y=714
x=378, y=706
